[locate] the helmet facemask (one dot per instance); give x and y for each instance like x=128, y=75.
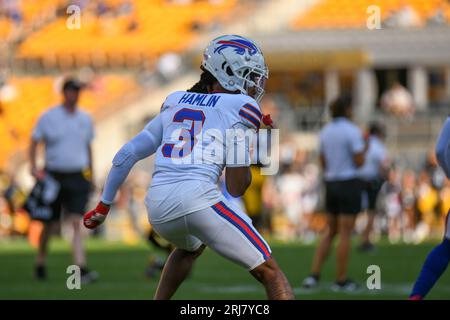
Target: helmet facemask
x=252, y=78
x=257, y=80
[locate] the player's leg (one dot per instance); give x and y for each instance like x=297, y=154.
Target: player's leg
x=372, y=194
x=231, y=234
x=435, y=265
x=346, y=224
x=274, y=281
x=365, y=236
x=43, y=244
x=78, y=250
x=350, y=204
x=179, y=264
x=74, y=197
x=41, y=258
x=156, y=263
x=44, y=239
x=367, y=200
x=176, y=270
x=78, y=253
x=323, y=249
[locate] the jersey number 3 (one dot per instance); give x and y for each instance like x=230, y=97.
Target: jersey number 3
x=189, y=137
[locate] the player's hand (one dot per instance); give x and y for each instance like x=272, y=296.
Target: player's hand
x=96, y=217
x=267, y=120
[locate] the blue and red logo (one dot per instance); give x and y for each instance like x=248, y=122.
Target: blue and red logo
x=239, y=45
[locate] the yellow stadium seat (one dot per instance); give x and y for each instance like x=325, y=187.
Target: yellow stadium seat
x=352, y=13
x=159, y=27
x=36, y=94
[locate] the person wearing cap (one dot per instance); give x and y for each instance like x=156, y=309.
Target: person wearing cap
x=66, y=133
x=342, y=152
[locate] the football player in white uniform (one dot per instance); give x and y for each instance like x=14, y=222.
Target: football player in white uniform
x=191, y=140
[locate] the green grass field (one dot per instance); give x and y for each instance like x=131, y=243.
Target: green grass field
x=121, y=269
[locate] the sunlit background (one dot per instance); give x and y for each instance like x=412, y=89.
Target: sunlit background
x=392, y=55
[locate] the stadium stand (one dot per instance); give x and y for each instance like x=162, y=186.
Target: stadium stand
x=22, y=16
x=353, y=13
x=25, y=98
x=122, y=32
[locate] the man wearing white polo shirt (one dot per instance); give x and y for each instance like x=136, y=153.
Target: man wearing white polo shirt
x=342, y=152
x=66, y=133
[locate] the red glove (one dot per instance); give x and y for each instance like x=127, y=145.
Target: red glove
x=94, y=218
x=267, y=120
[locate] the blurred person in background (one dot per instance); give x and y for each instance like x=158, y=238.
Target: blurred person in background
x=427, y=203
x=408, y=197
x=310, y=198
x=253, y=198
x=297, y=191
x=67, y=133
x=438, y=18
x=438, y=259
x=390, y=194
x=435, y=172
x=405, y=17
x=342, y=152
x=290, y=188
x=397, y=100
x=270, y=198
x=168, y=67
x=372, y=175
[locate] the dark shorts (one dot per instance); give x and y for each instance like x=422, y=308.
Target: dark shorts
x=371, y=189
x=73, y=194
x=343, y=197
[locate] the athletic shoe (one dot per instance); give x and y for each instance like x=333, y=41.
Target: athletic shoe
x=155, y=266
x=159, y=264
x=40, y=272
x=367, y=247
x=415, y=298
x=347, y=285
x=88, y=276
x=310, y=282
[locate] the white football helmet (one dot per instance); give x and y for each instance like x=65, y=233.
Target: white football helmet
x=237, y=63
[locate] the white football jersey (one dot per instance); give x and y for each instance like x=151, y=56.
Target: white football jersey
x=195, y=148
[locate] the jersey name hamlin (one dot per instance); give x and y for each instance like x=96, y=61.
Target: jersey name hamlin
x=203, y=100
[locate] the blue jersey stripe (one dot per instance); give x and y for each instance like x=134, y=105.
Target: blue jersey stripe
x=250, y=118
x=253, y=109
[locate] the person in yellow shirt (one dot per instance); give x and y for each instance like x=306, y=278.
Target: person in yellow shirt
x=253, y=198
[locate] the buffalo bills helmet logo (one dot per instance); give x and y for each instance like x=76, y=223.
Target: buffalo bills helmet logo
x=239, y=46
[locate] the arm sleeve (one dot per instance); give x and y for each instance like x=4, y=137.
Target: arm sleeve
x=91, y=133
x=239, y=139
x=141, y=146
x=443, y=148
x=38, y=131
x=356, y=141
x=321, y=143
x=250, y=115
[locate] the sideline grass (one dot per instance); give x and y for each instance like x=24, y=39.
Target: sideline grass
x=121, y=269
